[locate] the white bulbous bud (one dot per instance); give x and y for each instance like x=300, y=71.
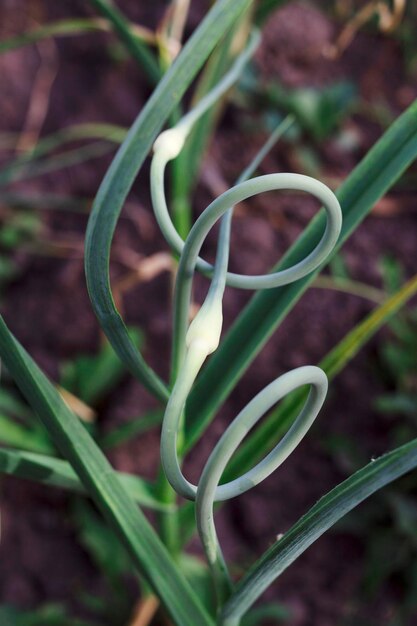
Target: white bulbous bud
x=206, y=327
x=170, y=142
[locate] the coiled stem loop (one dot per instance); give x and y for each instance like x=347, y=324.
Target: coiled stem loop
x=193, y=342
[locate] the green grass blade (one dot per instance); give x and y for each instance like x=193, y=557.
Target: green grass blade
x=11, y=405
x=19, y=436
x=73, y=132
x=272, y=611
x=51, y=614
x=131, y=428
x=58, y=473
x=322, y=516
x=351, y=287
x=30, y=169
x=122, y=173
x=377, y=172
x=350, y=345
x=29, y=164
x=71, y=438
x=60, y=28
x=137, y=48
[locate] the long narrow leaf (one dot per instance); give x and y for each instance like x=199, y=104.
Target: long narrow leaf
x=73, y=132
x=30, y=169
x=122, y=172
x=72, y=439
x=53, y=29
x=58, y=473
x=322, y=516
x=370, y=180
x=137, y=48
x=133, y=427
x=19, y=436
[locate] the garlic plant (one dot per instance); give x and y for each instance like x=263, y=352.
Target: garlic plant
x=194, y=342
x=83, y=466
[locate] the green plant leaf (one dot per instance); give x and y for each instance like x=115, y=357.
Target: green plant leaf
x=369, y=181
x=100, y=541
x=61, y=28
x=122, y=172
x=90, y=378
x=12, y=406
x=18, y=436
x=131, y=526
x=31, y=168
x=68, y=134
x=47, y=615
x=137, y=48
x=392, y=273
x=58, y=473
x=318, y=111
x=267, y=612
x=133, y=427
x=198, y=575
x=338, y=267
x=18, y=229
x=110, y=559
x=322, y=516
x=399, y=403
x=350, y=345
x=53, y=29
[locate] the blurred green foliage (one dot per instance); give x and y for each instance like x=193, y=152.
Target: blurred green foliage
x=398, y=357
x=48, y=615
x=386, y=526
